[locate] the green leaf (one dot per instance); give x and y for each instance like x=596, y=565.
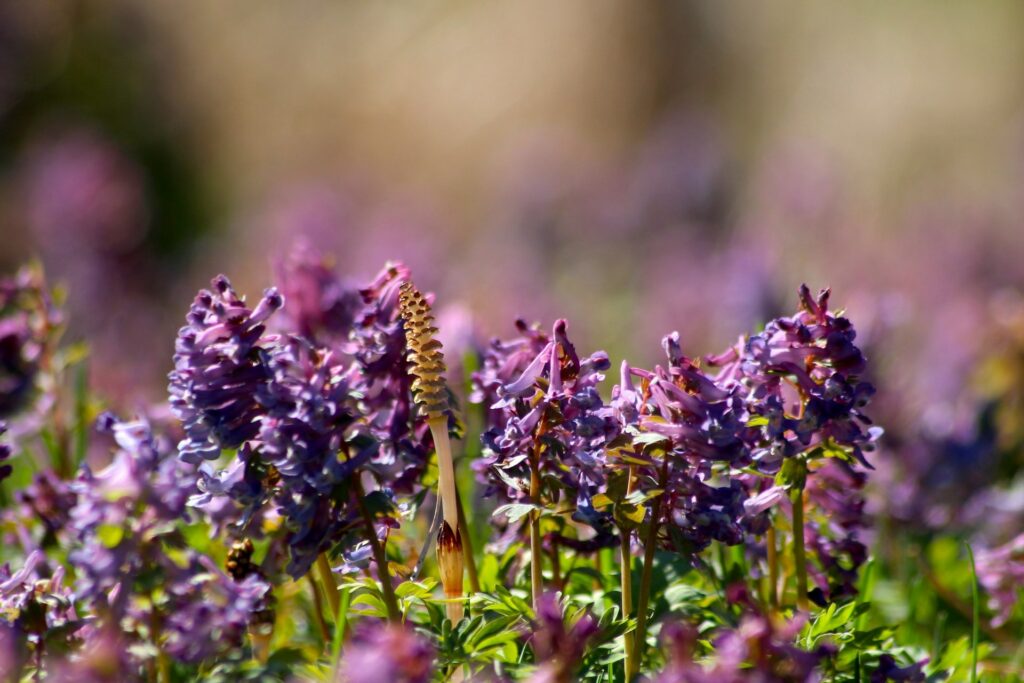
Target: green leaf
x=110, y=535
x=514, y=511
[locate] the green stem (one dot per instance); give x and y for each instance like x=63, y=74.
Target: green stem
x=773, y=568
x=799, y=553
x=650, y=545
x=318, y=608
x=329, y=584
x=626, y=574
x=627, y=601
x=467, y=546
x=536, y=554
x=975, y=615
x=379, y=556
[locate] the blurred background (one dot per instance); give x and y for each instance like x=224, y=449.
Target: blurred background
x=636, y=168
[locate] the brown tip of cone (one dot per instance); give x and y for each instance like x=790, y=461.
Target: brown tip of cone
x=449, y=560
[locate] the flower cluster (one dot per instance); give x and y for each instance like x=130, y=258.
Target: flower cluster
x=28, y=321
x=697, y=428
x=1001, y=572
x=801, y=376
x=387, y=653
x=549, y=427
x=758, y=650
x=133, y=564
x=559, y=647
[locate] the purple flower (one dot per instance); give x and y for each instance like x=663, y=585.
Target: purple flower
x=800, y=377
x=5, y=454
x=545, y=412
x=698, y=427
x=218, y=370
x=319, y=305
x=888, y=670
x=1001, y=574
x=759, y=650
x=304, y=436
x=28, y=322
x=386, y=653
x=34, y=604
x=124, y=509
x=211, y=612
x=558, y=647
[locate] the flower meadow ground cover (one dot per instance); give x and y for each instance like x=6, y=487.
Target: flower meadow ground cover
x=328, y=494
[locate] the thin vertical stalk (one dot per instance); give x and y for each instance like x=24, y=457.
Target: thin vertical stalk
x=329, y=584
x=650, y=545
x=556, y=568
x=975, y=614
x=627, y=600
x=626, y=574
x=379, y=556
x=450, y=540
x=318, y=608
x=799, y=553
x=536, y=554
x=773, y=568
x=467, y=546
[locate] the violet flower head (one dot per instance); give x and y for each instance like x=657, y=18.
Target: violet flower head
x=320, y=306
x=35, y=604
x=1001, y=574
x=758, y=650
x=123, y=509
x=698, y=426
x=548, y=410
x=218, y=370
x=801, y=378
x=559, y=648
x=309, y=406
x=386, y=653
x=212, y=612
x=5, y=454
x=28, y=322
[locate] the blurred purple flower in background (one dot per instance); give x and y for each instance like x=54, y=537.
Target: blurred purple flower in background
x=379, y=652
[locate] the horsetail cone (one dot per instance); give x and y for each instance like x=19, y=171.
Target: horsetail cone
x=425, y=356
x=430, y=392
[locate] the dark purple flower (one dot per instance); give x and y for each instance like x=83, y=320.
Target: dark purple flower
x=889, y=670
x=386, y=653
x=5, y=454
x=801, y=378
x=759, y=650
x=218, y=370
x=319, y=305
x=687, y=433
x=558, y=647
x=545, y=412
x=28, y=324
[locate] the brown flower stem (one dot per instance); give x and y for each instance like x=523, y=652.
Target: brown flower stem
x=536, y=554
x=379, y=556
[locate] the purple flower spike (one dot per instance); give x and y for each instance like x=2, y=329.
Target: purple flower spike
x=217, y=370
x=387, y=653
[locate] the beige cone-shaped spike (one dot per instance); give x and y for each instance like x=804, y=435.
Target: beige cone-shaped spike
x=430, y=391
